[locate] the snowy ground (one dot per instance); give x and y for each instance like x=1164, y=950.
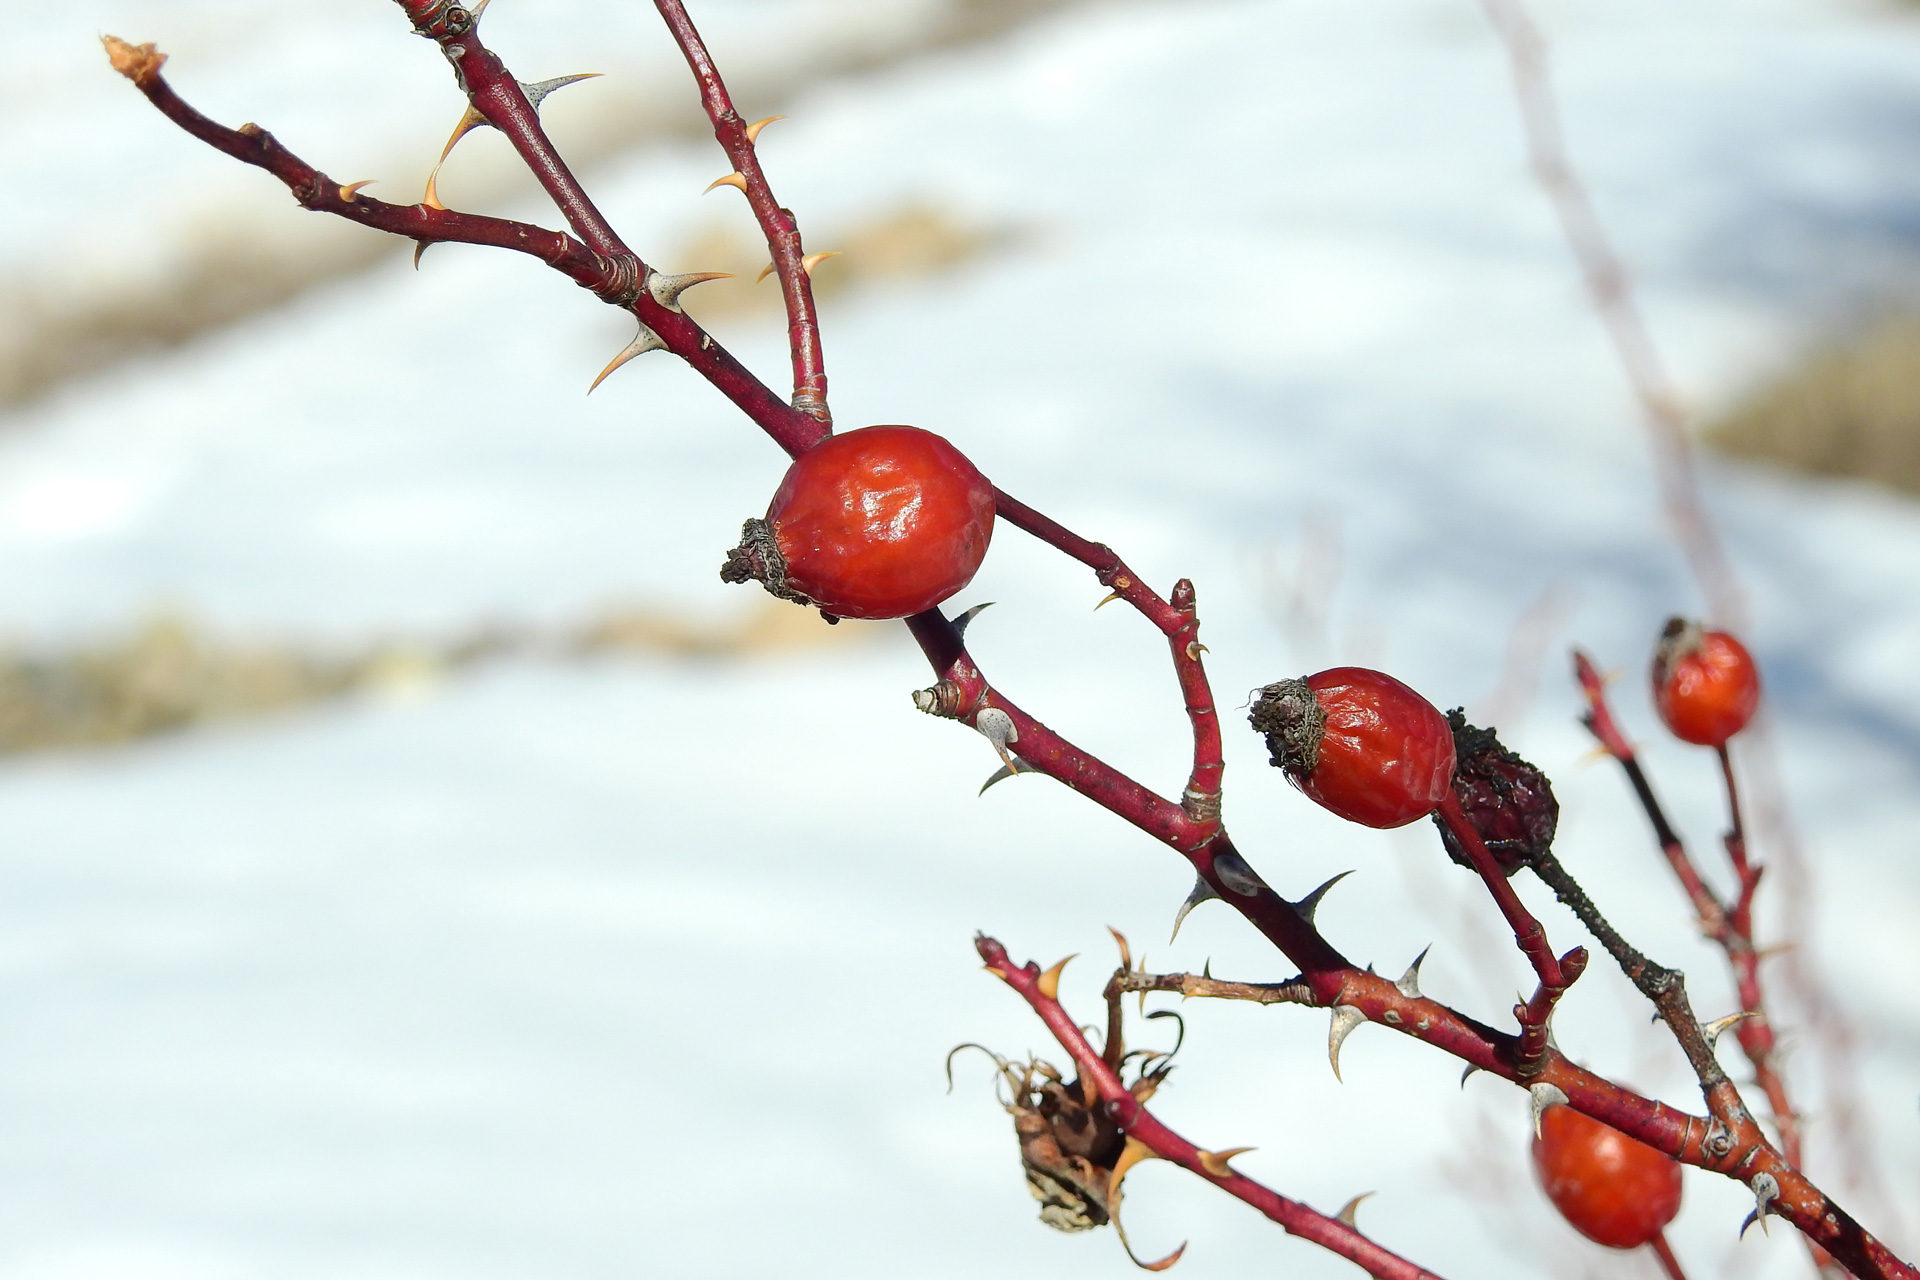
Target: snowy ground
x=620, y=969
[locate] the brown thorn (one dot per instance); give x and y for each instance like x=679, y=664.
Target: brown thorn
x=420, y=247
x=1049, y=982
x=1089, y=1090
x=1350, y=1211
x=735, y=180
x=1215, y=1162
x=1126, y=952
x=753, y=130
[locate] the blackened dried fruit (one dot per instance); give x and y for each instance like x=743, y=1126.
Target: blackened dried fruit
x=1508, y=801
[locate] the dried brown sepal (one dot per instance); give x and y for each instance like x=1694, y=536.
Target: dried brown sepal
x=1293, y=722
x=1509, y=802
x=139, y=63
x=758, y=559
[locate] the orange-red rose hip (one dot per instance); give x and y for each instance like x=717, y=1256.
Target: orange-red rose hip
x=1705, y=684
x=882, y=522
x=1359, y=743
x=1614, y=1190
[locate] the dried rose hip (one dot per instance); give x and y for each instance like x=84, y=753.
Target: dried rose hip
x=1705, y=683
x=1358, y=742
x=882, y=522
x=1506, y=800
x=1615, y=1191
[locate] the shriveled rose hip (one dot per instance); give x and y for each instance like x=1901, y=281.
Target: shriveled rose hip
x=1359, y=743
x=1614, y=1190
x=1705, y=683
x=882, y=522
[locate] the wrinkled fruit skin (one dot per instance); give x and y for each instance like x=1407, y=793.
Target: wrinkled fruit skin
x=1506, y=800
x=1614, y=1190
x=1705, y=683
x=1367, y=747
x=882, y=522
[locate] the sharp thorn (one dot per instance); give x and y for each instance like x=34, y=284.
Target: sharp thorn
x=1126, y=952
x=1104, y=603
x=1202, y=892
x=1005, y=771
x=1049, y=982
x=812, y=260
x=420, y=247
x=753, y=130
x=1236, y=874
x=644, y=341
x=666, y=289
x=431, y=198
x=965, y=619
x=1542, y=1096
x=1345, y=1019
x=1311, y=903
x=1713, y=1030
x=735, y=180
x=538, y=91
x=1464, y=1074
x=1134, y=1153
x=764, y=273
x=478, y=10
x=1215, y=1162
x=351, y=192
x=1350, y=1211
x=1409, y=983
x=1206, y=968
x=1766, y=1189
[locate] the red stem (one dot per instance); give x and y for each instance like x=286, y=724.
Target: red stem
x=1139, y=1125
x=1664, y=1251
x=781, y=228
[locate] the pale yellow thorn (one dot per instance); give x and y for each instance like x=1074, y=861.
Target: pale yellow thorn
x=351, y=192
x=764, y=273
x=753, y=130
x=812, y=260
x=1135, y=1153
x=1126, y=952
x=1049, y=983
x=1215, y=1162
x=735, y=180
x=1104, y=603
x=1350, y=1211
x=644, y=341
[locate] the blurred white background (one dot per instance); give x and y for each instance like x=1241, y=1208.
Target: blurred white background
x=645, y=962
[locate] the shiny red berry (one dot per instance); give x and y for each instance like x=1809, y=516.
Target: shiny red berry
x=1614, y=1190
x=1705, y=683
x=882, y=522
x=1359, y=743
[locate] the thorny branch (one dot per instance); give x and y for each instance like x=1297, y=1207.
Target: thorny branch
x=600, y=262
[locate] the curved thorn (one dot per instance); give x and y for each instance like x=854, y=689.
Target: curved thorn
x=735, y=180
x=477, y=10
x=351, y=192
x=1345, y=1019
x=1005, y=771
x=1542, y=1096
x=1206, y=968
x=1311, y=903
x=1409, y=983
x=764, y=273
x=644, y=341
x=666, y=289
x=1766, y=1189
x=1104, y=603
x=1714, y=1029
x=1126, y=952
x=1464, y=1074
x=1049, y=983
x=812, y=260
x=965, y=619
x=1350, y=1211
x=753, y=130
x=1215, y=1162
x=1134, y=1153
x=420, y=247
x=469, y=121
x=1202, y=892
x=538, y=91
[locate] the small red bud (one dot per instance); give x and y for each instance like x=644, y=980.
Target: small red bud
x=1705, y=683
x=1359, y=743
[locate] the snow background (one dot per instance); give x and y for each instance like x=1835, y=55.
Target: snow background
x=628, y=967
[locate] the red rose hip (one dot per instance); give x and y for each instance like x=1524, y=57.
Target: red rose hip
x=1614, y=1190
x=882, y=522
x=1705, y=684
x=1360, y=743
